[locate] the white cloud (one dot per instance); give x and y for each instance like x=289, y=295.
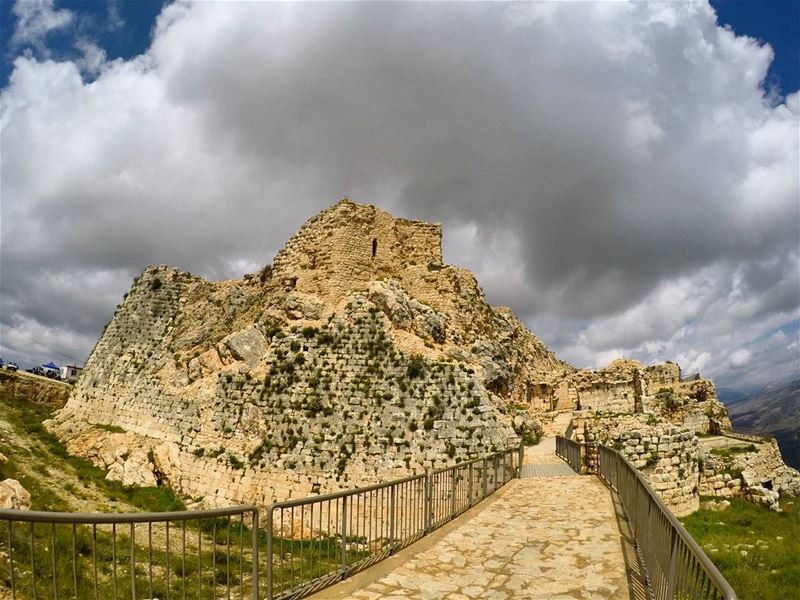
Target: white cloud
x=35, y=20
x=613, y=172
x=94, y=57
x=739, y=359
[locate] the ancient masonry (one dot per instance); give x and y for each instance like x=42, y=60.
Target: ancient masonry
x=357, y=356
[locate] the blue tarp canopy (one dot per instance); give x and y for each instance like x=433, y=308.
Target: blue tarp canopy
x=50, y=365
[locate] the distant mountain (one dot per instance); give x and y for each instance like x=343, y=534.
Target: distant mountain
x=776, y=408
x=730, y=395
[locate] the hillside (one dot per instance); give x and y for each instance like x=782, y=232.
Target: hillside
x=776, y=409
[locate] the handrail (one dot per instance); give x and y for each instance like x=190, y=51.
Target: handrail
x=750, y=435
x=112, y=555
x=315, y=542
x=90, y=518
x=570, y=451
x=675, y=565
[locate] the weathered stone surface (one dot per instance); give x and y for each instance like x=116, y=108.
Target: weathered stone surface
x=248, y=345
x=715, y=505
x=303, y=306
x=540, y=538
x=13, y=495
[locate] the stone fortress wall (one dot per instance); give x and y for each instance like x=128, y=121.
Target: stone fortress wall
x=655, y=420
x=339, y=251
x=324, y=371
x=759, y=475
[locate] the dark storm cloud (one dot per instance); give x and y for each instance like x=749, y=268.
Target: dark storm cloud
x=614, y=172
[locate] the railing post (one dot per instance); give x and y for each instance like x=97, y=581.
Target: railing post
x=673, y=559
x=483, y=475
x=392, y=494
x=428, y=501
x=469, y=485
x=133, y=560
x=453, y=495
x=344, y=536
x=521, y=458
x=255, y=553
x=269, y=552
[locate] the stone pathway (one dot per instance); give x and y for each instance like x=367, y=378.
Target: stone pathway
x=553, y=538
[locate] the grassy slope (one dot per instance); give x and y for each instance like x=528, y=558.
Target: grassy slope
x=59, y=481
x=769, y=570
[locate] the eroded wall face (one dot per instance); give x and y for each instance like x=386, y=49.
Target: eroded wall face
x=270, y=412
x=608, y=398
x=666, y=455
x=332, y=254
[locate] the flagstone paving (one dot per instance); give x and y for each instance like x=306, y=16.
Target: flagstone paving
x=553, y=538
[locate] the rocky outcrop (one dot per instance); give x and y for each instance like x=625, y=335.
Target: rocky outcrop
x=754, y=471
x=13, y=495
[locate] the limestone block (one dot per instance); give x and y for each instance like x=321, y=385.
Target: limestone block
x=248, y=345
x=303, y=306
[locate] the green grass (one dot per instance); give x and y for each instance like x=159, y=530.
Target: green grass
x=732, y=451
x=763, y=573
x=111, y=428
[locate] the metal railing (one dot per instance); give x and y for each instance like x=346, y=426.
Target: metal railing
x=317, y=541
x=570, y=451
x=675, y=565
x=749, y=435
x=186, y=554
x=309, y=543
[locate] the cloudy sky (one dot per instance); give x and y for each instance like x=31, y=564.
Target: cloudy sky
x=623, y=175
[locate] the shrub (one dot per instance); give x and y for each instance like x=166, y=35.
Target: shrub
x=427, y=424
x=451, y=450
x=265, y=273
x=109, y=428
x=416, y=366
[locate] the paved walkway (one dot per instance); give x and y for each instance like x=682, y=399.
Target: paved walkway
x=553, y=538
